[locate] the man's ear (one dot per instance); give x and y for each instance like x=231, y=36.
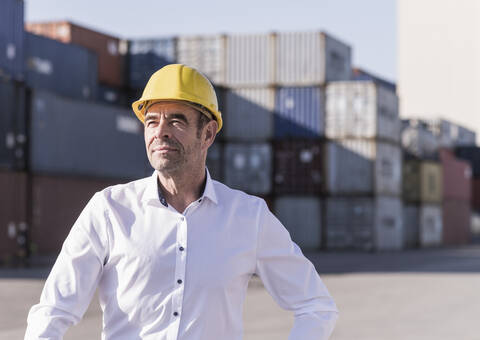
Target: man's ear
x=211, y=131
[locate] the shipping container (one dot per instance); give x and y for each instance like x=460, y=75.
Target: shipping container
x=109, y=50
x=364, y=223
x=457, y=175
x=68, y=70
x=298, y=166
x=422, y=181
x=81, y=138
x=250, y=60
x=205, y=53
x=475, y=187
x=56, y=204
x=472, y=155
x=310, y=58
x=248, y=167
x=146, y=56
x=13, y=135
x=363, y=167
x=13, y=216
x=411, y=228
x=431, y=225
x=359, y=74
x=450, y=134
x=361, y=110
x=299, y=112
x=302, y=216
x=249, y=114
x=456, y=222
x=215, y=161
x=11, y=39
x=417, y=140
x=475, y=227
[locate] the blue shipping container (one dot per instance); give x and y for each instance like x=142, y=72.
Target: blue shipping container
x=11, y=39
x=65, y=69
x=146, y=57
x=112, y=95
x=71, y=137
x=299, y=112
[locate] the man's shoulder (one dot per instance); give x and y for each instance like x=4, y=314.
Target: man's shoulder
x=231, y=196
x=133, y=190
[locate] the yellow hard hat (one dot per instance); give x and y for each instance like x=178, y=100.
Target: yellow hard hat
x=177, y=82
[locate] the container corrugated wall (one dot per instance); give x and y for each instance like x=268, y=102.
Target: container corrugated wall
x=81, y=138
x=361, y=110
x=11, y=39
x=248, y=167
x=109, y=50
x=389, y=234
x=249, y=114
x=299, y=112
x=456, y=222
x=13, y=136
x=411, y=219
x=147, y=56
x=13, y=216
x=56, y=204
x=205, y=53
x=471, y=154
x=302, y=216
x=376, y=167
x=422, y=182
x=298, y=167
x=250, y=60
x=431, y=225
x=65, y=69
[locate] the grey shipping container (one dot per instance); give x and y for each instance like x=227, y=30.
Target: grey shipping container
x=248, y=167
x=361, y=110
x=13, y=134
x=56, y=204
x=417, y=140
x=68, y=70
x=310, y=58
x=13, y=216
x=365, y=223
x=11, y=39
x=363, y=167
x=450, y=134
x=299, y=166
x=431, y=225
x=299, y=112
x=359, y=74
x=249, y=114
x=145, y=56
x=82, y=138
x=112, y=95
x=411, y=220
x=302, y=216
x=215, y=161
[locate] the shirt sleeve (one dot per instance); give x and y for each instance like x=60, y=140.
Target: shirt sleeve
x=73, y=279
x=292, y=281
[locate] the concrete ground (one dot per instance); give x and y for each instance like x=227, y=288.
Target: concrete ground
x=414, y=295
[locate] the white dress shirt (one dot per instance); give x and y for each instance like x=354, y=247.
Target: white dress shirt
x=167, y=275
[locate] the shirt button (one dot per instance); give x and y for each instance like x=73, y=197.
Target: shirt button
x=175, y=313
x=182, y=218
x=181, y=248
x=179, y=281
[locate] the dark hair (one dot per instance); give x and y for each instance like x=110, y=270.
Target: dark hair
x=202, y=121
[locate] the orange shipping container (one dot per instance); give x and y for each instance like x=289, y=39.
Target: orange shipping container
x=110, y=50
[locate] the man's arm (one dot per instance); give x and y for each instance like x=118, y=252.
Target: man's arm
x=291, y=279
x=74, y=277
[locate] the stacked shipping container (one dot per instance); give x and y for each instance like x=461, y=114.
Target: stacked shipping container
x=11, y=39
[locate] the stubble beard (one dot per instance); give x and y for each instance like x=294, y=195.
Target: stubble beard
x=176, y=162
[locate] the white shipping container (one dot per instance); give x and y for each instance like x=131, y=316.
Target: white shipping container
x=356, y=166
x=364, y=223
x=361, y=109
x=302, y=216
x=417, y=140
x=250, y=60
x=411, y=219
x=248, y=167
x=450, y=134
x=249, y=114
x=431, y=225
x=205, y=53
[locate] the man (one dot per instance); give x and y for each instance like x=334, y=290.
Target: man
x=172, y=254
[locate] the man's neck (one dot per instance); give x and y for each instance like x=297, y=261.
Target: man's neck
x=181, y=189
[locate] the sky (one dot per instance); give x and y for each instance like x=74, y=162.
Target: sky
x=368, y=26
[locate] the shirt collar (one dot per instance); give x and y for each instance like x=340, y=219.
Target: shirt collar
x=153, y=191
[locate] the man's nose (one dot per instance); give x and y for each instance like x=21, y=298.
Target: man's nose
x=162, y=130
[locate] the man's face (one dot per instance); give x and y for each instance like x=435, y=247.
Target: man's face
x=171, y=137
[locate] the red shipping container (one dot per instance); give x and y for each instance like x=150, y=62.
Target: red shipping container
x=456, y=222
x=457, y=176
x=475, y=195
x=299, y=166
x=111, y=61
x=13, y=216
x=56, y=204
